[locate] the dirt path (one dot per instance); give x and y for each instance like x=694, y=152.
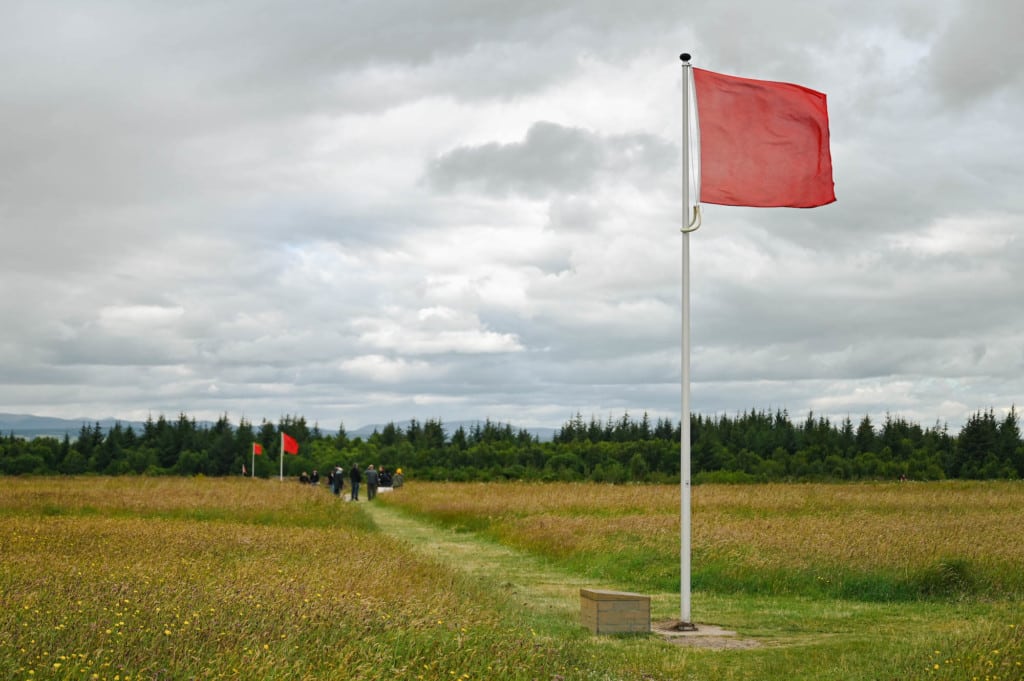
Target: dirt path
x=543, y=587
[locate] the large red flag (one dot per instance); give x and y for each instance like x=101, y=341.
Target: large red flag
x=257, y=449
x=291, y=446
x=762, y=143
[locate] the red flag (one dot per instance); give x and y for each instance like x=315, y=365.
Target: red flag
x=291, y=446
x=762, y=143
x=257, y=449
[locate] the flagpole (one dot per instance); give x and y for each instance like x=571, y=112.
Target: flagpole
x=282, y=456
x=252, y=471
x=684, y=437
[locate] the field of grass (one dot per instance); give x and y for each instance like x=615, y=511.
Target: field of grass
x=873, y=542
x=163, y=578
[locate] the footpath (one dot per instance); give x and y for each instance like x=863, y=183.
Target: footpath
x=542, y=587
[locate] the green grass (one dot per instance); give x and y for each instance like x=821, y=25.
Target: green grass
x=879, y=542
x=186, y=579
x=137, y=578
x=834, y=581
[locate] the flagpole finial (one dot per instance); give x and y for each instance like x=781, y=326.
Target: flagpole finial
x=685, y=57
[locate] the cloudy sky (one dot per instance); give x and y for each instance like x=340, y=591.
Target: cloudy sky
x=365, y=211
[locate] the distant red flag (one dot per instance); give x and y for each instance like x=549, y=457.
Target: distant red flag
x=762, y=143
x=291, y=446
x=257, y=449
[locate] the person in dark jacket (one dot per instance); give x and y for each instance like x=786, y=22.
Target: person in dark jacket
x=337, y=480
x=355, y=477
x=371, y=483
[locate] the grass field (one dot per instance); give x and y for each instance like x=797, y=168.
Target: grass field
x=167, y=578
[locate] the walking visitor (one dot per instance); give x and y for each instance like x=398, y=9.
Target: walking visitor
x=355, y=477
x=371, y=483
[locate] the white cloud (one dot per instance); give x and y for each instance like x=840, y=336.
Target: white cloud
x=432, y=331
x=138, y=318
x=372, y=211
x=961, y=236
x=378, y=368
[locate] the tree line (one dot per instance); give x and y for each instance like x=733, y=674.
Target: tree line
x=754, y=446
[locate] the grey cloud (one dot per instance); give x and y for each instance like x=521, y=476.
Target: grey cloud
x=199, y=202
x=551, y=159
x=574, y=214
x=980, y=53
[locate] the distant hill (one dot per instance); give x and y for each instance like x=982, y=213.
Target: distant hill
x=29, y=426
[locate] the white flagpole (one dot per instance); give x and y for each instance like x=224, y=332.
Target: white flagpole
x=684, y=439
x=282, y=456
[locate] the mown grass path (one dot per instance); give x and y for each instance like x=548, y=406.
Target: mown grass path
x=541, y=587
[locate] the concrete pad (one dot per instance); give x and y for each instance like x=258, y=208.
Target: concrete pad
x=708, y=636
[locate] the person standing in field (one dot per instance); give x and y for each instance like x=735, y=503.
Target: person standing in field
x=371, y=483
x=355, y=477
x=337, y=480
x=314, y=477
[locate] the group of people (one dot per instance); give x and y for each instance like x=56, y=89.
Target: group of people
x=375, y=479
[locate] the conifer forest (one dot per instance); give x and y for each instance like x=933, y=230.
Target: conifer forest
x=754, y=446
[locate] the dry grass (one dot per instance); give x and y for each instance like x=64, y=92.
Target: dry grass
x=134, y=579
x=866, y=525
x=897, y=529
x=131, y=579
x=237, y=498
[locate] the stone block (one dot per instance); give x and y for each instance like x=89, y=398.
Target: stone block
x=615, y=612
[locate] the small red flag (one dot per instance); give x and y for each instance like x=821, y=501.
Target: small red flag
x=291, y=446
x=762, y=143
x=257, y=449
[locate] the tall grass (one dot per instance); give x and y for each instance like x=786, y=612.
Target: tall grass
x=138, y=579
x=880, y=541
x=134, y=579
x=863, y=581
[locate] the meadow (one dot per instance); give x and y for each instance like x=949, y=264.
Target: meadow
x=137, y=578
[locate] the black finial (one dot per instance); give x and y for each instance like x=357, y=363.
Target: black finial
x=685, y=56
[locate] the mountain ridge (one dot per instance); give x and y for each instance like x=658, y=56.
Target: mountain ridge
x=30, y=426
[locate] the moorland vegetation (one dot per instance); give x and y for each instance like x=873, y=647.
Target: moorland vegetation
x=135, y=578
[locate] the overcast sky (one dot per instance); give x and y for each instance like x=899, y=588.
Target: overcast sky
x=369, y=211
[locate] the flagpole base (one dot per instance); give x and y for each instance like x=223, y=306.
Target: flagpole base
x=708, y=636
